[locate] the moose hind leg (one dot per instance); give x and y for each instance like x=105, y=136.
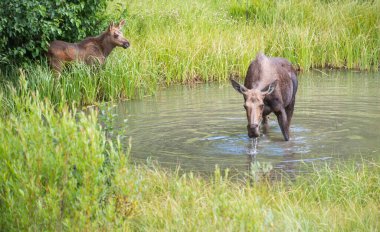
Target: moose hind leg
x=265, y=124
x=289, y=111
x=284, y=124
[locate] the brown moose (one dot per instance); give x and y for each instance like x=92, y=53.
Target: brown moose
x=92, y=50
x=270, y=86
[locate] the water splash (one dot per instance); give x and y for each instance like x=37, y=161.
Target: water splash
x=252, y=148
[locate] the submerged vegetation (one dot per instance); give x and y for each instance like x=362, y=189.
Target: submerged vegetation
x=59, y=171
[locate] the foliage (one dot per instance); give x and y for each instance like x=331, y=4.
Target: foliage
x=27, y=26
x=57, y=169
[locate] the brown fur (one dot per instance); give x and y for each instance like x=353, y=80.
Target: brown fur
x=270, y=86
x=91, y=50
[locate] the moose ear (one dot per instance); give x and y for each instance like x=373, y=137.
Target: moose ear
x=121, y=24
x=238, y=87
x=112, y=24
x=270, y=88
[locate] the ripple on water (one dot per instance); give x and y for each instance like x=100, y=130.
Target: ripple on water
x=206, y=125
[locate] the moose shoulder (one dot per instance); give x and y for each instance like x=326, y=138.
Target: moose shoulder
x=92, y=50
x=270, y=86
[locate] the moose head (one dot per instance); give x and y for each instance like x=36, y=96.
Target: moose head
x=254, y=105
x=115, y=36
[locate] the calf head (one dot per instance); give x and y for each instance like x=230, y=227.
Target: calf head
x=254, y=105
x=115, y=36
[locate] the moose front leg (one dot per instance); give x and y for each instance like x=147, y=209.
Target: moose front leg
x=283, y=122
x=95, y=60
x=56, y=65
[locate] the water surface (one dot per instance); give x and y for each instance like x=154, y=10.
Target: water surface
x=336, y=117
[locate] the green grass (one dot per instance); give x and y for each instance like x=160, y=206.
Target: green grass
x=343, y=199
x=60, y=172
x=211, y=39
x=201, y=41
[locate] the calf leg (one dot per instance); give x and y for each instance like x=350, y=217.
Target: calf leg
x=56, y=66
x=283, y=122
x=94, y=60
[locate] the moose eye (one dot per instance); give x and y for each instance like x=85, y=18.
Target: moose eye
x=116, y=35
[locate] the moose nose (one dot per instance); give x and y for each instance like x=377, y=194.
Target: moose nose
x=253, y=126
x=126, y=44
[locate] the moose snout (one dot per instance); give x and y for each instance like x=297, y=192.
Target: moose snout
x=126, y=44
x=253, y=130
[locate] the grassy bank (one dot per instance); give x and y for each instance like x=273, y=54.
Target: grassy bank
x=212, y=39
x=59, y=172
x=190, y=41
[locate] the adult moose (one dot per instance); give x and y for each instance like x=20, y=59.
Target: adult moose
x=92, y=50
x=270, y=86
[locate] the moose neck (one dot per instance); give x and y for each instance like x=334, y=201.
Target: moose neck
x=105, y=45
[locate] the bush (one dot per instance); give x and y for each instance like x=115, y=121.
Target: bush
x=27, y=26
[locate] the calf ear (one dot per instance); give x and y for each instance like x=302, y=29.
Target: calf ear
x=121, y=24
x=269, y=88
x=238, y=87
x=112, y=24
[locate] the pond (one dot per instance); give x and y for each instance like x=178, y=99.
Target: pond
x=336, y=118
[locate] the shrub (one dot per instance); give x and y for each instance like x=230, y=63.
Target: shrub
x=27, y=26
x=58, y=170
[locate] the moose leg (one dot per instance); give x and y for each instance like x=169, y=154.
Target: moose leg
x=95, y=60
x=266, y=112
x=289, y=111
x=265, y=124
x=56, y=65
x=283, y=122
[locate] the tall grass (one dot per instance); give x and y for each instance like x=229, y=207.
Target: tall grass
x=58, y=171
x=199, y=41
x=344, y=199
x=80, y=85
x=211, y=39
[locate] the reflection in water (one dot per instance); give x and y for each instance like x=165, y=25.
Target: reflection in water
x=335, y=116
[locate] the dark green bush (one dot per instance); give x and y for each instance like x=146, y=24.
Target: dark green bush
x=27, y=26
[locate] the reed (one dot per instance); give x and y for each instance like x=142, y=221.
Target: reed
x=213, y=39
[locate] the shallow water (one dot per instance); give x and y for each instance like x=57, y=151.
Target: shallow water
x=336, y=118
